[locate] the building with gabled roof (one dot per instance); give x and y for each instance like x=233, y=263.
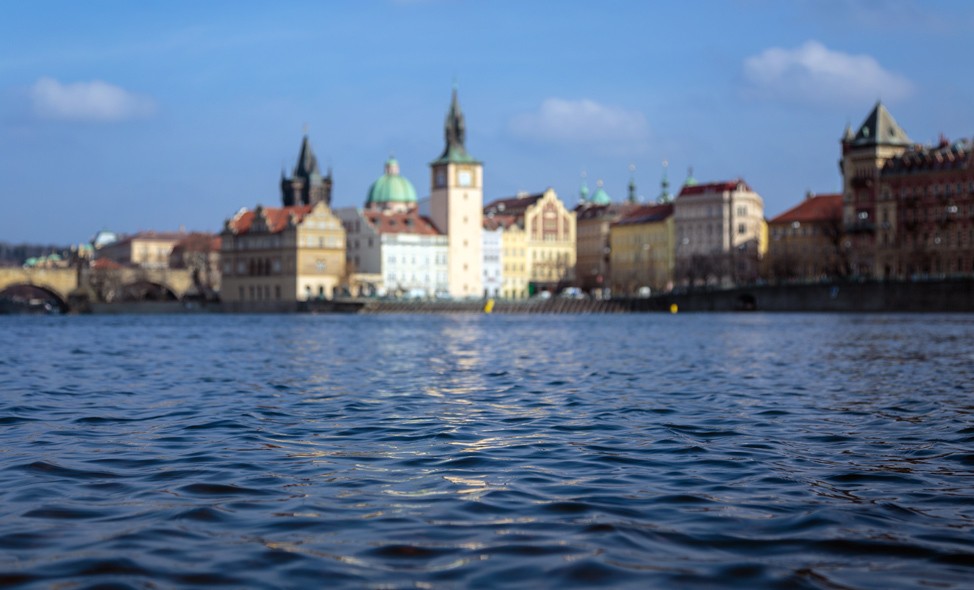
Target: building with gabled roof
x=642, y=250
x=805, y=242
x=537, y=242
x=273, y=257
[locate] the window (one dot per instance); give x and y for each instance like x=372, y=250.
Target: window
x=741, y=228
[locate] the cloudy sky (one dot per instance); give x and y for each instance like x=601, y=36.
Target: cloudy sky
x=158, y=115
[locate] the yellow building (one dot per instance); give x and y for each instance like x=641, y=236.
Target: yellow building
x=538, y=242
x=275, y=257
x=514, y=275
x=642, y=251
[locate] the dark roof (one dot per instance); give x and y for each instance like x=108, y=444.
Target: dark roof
x=586, y=211
x=812, y=209
x=307, y=165
x=494, y=221
x=943, y=156
x=713, y=187
x=512, y=205
x=646, y=214
x=880, y=128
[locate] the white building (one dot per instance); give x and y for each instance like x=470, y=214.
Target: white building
x=391, y=248
x=493, y=259
x=720, y=232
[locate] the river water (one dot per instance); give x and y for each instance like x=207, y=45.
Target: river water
x=624, y=451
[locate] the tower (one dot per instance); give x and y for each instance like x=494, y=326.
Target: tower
x=864, y=154
x=457, y=206
x=306, y=186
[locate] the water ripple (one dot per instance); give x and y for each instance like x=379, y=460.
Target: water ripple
x=749, y=451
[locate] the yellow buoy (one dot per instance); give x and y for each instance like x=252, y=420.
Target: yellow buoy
x=489, y=306
x=674, y=308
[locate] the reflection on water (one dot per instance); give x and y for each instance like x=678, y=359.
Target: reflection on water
x=778, y=451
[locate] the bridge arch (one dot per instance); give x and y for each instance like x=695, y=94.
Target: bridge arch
x=34, y=297
x=145, y=290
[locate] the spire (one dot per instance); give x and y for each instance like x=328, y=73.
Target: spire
x=664, y=185
x=690, y=181
x=880, y=128
x=632, y=184
x=455, y=131
x=307, y=162
x=583, y=190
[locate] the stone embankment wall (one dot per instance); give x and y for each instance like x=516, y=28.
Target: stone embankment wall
x=920, y=296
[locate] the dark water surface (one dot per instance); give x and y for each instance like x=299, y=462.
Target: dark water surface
x=629, y=451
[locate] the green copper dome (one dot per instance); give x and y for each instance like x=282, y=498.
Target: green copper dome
x=391, y=188
x=600, y=197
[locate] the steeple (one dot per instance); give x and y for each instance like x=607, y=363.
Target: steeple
x=632, y=184
x=307, y=162
x=690, y=181
x=455, y=130
x=583, y=190
x=306, y=186
x=664, y=185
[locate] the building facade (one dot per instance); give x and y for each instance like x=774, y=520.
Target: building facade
x=642, y=251
x=864, y=155
x=456, y=207
x=274, y=257
x=392, y=249
x=146, y=249
x=547, y=239
x=721, y=234
x=806, y=241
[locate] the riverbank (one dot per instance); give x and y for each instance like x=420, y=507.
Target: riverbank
x=917, y=296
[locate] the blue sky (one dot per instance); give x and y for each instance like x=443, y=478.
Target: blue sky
x=156, y=115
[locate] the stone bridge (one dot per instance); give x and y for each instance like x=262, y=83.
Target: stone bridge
x=61, y=283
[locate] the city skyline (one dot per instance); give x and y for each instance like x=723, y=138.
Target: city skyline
x=179, y=115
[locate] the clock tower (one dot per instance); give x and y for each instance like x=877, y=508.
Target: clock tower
x=457, y=207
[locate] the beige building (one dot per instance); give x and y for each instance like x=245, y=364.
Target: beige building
x=642, y=251
x=146, y=249
x=456, y=207
x=540, y=227
x=721, y=234
x=274, y=257
x=806, y=241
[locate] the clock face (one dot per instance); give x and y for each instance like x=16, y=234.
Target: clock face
x=464, y=178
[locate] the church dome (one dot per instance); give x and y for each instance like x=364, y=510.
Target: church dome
x=600, y=197
x=391, y=189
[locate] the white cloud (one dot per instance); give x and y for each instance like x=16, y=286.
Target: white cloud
x=815, y=74
x=580, y=121
x=87, y=101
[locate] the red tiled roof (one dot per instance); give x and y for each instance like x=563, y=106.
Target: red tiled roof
x=410, y=222
x=104, y=264
x=277, y=218
x=198, y=242
x=817, y=208
x=646, y=214
x=712, y=187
